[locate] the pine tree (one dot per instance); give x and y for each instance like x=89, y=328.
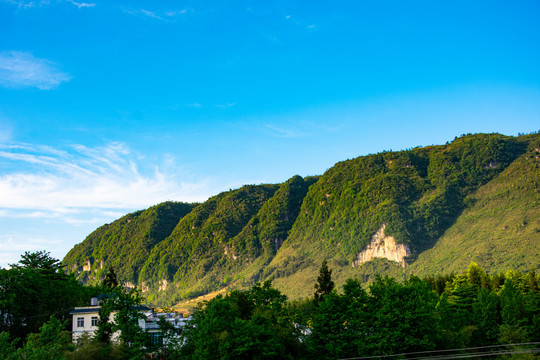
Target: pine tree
x=324, y=285
x=512, y=311
x=111, y=280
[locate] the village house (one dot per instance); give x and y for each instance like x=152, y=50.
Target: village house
x=85, y=321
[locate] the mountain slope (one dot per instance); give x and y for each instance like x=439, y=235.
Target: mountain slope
x=126, y=243
x=430, y=204
x=416, y=195
x=501, y=227
x=196, y=249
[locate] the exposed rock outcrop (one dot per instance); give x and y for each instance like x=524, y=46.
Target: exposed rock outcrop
x=382, y=246
x=163, y=285
x=231, y=255
x=87, y=266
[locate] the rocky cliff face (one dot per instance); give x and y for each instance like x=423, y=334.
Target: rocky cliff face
x=382, y=246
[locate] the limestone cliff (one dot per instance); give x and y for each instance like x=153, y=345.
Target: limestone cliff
x=382, y=246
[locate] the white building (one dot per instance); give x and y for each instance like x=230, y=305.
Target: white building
x=85, y=321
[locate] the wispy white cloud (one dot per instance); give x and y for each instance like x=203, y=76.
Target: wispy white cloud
x=151, y=14
x=81, y=4
x=26, y=5
x=167, y=15
x=21, y=69
x=10, y=243
x=80, y=183
x=22, y=4
x=12, y=246
x=173, y=13
x=143, y=13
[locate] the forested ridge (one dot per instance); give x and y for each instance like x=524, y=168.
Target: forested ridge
x=281, y=232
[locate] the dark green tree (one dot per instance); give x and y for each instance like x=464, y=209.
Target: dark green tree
x=438, y=283
x=7, y=347
x=497, y=281
x=486, y=318
x=512, y=329
x=39, y=260
x=33, y=290
x=532, y=309
x=110, y=289
x=512, y=304
x=339, y=324
x=252, y=324
x=450, y=328
x=104, y=331
x=324, y=285
x=111, y=280
x=53, y=342
x=126, y=307
x=403, y=316
x=461, y=296
x=477, y=276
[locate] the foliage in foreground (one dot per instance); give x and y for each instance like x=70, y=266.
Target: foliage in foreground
x=243, y=325
x=468, y=310
x=33, y=290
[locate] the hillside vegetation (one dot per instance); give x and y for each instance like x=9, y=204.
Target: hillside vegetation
x=476, y=198
x=501, y=226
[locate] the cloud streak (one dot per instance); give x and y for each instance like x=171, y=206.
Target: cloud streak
x=81, y=5
x=69, y=184
x=37, y=4
x=10, y=243
x=12, y=246
x=21, y=69
x=151, y=14
x=159, y=15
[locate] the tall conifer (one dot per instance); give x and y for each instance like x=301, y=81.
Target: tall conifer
x=324, y=285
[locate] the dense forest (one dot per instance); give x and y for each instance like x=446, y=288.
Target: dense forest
x=467, y=315
x=470, y=314
x=476, y=198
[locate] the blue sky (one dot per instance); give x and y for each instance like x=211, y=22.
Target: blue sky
x=110, y=107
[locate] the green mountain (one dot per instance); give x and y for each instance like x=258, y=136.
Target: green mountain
x=425, y=210
x=126, y=243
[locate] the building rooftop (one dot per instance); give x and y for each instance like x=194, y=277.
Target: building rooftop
x=95, y=309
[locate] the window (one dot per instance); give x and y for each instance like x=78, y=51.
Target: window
x=94, y=320
x=80, y=322
x=156, y=339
